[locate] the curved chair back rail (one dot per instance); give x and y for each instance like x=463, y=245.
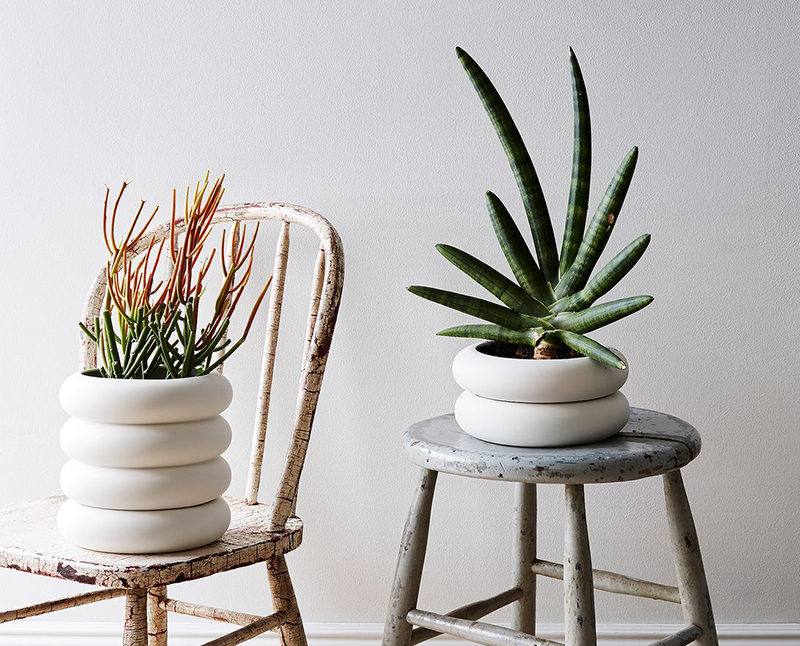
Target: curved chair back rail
x=324, y=305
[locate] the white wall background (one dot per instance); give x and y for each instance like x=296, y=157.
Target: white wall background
x=361, y=111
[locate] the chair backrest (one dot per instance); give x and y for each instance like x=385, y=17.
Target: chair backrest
x=325, y=294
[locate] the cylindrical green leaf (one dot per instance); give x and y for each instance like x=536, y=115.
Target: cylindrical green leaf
x=507, y=291
x=599, y=229
x=581, y=169
x=517, y=252
x=475, y=307
x=493, y=333
x=599, y=315
x=606, y=278
x=528, y=182
x=587, y=347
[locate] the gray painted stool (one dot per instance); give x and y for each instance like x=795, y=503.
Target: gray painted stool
x=651, y=444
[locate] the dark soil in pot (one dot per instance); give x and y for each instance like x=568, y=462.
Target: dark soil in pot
x=511, y=351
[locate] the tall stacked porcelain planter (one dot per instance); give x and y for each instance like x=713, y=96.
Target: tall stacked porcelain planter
x=145, y=473
x=538, y=402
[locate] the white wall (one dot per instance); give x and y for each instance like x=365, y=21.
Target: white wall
x=361, y=111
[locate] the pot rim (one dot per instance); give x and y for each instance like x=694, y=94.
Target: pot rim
x=86, y=377
x=476, y=347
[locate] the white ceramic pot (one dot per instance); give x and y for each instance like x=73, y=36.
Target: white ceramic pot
x=145, y=401
x=538, y=403
x=145, y=473
x=145, y=445
x=536, y=381
x=148, y=488
x=143, y=532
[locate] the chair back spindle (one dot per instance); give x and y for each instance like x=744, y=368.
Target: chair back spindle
x=268, y=365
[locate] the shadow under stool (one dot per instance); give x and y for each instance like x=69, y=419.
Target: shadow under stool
x=651, y=444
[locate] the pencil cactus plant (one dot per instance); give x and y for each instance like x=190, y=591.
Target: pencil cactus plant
x=150, y=328
x=551, y=307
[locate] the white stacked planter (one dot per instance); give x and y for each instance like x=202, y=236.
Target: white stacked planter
x=145, y=473
x=538, y=403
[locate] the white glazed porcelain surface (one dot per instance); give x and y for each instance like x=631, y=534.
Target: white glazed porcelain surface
x=145, y=401
x=140, y=489
x=541, y=425
x=537, y=381
x=144, y=445
x=143, y=532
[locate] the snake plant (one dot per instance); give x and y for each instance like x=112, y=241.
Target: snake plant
x=551, y=306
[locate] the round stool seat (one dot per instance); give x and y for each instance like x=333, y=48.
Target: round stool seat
x=650, y=444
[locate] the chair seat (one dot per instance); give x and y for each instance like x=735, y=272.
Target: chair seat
x=30, y=542
x=651, y=443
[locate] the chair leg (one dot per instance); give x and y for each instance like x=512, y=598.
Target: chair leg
x=156, y=617
x=524, y=551
x=695, y=600
x=135, y=619
x=578, y=583
x=283, y=599
x=407, y=577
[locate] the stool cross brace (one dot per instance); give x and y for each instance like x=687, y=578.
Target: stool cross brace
x=406, y=625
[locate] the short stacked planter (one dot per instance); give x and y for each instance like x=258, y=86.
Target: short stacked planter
x=145, y=473
x=538, y=403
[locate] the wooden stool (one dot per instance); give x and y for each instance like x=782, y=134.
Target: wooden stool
x=651, y=444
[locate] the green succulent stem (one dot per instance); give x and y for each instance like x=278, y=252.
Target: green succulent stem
x=524, y=172
x=606, y=278
x=516, y=251
x=476, y=307
x=600, y=228
x=599, y=316
x=495, y=333
x=578, y=203
x=492, y=280
x=587, y=347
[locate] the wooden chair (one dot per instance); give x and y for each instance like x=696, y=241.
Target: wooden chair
x=30, y=542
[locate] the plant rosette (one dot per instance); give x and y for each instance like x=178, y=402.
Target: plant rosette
x=540, y=381
x=145, y=473
x=538, y=402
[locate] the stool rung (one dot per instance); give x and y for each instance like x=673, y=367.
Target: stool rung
x=471, y=611
x=681, y=638
x=613, y=582
x=475, y=631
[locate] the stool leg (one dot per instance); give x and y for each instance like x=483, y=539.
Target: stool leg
x=524, y=551
x=695, y=600
x=407, y=577
x=579, y=618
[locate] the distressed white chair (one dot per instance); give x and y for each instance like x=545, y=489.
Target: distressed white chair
x=651, y=444
x=30, y=542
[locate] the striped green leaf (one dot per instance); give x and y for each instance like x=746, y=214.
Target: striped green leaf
x=587, y=347
x=493, y=333
x=517, y=252
x=507, y=291
x=474, y=307
x=599, y=315
x=581, y=169
x=524, y=172
x=599, y=230
x=606, y=278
